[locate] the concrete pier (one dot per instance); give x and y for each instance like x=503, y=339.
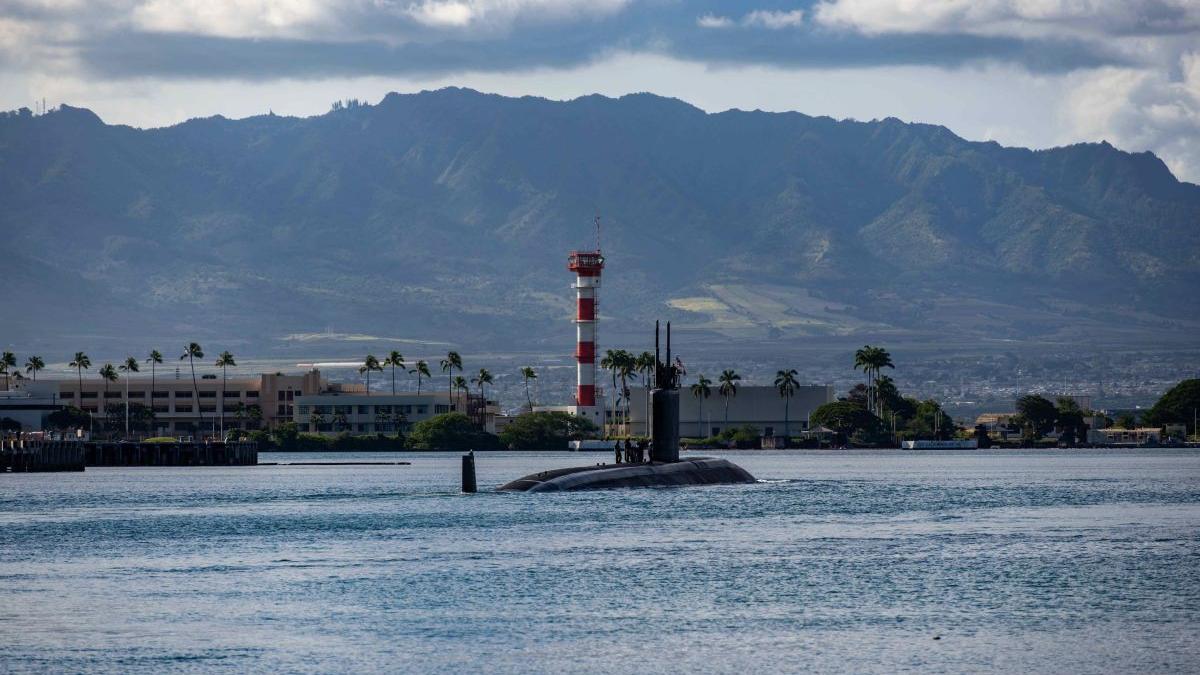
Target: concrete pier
x=20, y=455
x=72, y=455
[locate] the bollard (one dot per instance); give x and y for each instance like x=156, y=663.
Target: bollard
x=468, y=472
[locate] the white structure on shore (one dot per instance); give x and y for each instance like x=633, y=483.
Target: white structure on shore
x=358, y=413
x=759, y=407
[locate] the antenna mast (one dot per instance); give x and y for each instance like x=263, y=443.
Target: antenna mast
x=598, y=233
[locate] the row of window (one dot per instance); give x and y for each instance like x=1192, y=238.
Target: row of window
x=157, y=394
x=308, y=409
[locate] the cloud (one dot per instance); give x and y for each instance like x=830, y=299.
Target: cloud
x=774, y=20
x=759, y=18
x=1143, y=109
x=1012, y=18
x=711, y=21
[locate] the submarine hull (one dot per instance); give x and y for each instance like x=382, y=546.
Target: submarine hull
x=697, y=471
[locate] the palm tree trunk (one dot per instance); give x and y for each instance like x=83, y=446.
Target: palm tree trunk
x=393, y=379
x=787, y=403
x=196, y=391
x=126, y=406
x=221, y=402
x=528, y=399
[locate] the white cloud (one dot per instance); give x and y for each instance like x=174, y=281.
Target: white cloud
x=1142, y=110
x=1013, y=18
x=711, y=21
x=759, y=18
x=235, y=18
x=774, y=20
x=501, y=13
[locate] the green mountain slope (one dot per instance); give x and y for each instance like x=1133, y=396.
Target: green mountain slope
x=447, y=215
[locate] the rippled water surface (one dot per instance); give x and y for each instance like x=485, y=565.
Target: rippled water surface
x=835, y=562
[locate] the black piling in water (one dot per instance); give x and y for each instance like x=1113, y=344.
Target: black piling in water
x=468, y=472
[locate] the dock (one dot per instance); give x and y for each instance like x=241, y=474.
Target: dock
x=21, y=455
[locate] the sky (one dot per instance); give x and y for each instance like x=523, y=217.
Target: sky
x=1035, y=73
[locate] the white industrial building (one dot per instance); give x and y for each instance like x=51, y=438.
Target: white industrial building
x=759, y=407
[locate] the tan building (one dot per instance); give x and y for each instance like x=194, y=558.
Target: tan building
x=179, y=408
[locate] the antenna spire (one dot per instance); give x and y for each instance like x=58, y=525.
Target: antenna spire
x=598, y=232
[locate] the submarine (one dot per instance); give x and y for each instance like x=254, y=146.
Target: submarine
x=665, y=468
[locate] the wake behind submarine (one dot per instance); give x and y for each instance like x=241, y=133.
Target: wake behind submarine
x=664, y=468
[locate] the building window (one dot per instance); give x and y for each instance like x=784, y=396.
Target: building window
x=183, y=394
x=137, y=394
x=364, y=427
x=364, y=410
x=323, y=409
x=280, y=395
x=183, y=408
x=162, y=394
x=112, y=394
x=343, y=409
x=161, y=410
x=422, y=409
x=253, y=393
x=280, y=410
x=290, y=394
x=208, y=408
x=305, y=408
x=208, y=394
x=441, y=408
x=233, y=394
x=406, y=409
x=383, y=409
x=88, y=394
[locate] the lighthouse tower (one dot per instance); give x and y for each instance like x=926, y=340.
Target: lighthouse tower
x=587, y=266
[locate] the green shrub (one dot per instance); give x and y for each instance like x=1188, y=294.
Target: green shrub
x=451, y=431
x=546, y=431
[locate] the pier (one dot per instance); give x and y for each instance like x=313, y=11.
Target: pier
x=21, y=455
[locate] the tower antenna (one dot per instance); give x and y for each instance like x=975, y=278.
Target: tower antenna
x=598, y=233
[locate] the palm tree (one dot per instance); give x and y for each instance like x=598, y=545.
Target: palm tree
x=644, y=363
x=880, y=358
x=340, y=422
x=528, y=374
x=80, y=363
x=394, y=359
x=728, y=389
x=701, y=390
x=421, y=370
x=460, y=383
x=154, y=360
x=316, y=419
x=109, y=374
x=224, y=360
x=611, y=362
x=192, y=352
x=130, y=366
x=482, y=378
x=371, y=363
x=871, y=360
x=7, y=360
x=33, y=364
x=627, y=366
x=785, y=382
x=862, y=361
x=452, y=361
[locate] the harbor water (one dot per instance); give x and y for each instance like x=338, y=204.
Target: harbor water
x=843, y=562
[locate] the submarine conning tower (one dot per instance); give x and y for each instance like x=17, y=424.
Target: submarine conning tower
x=664, y=404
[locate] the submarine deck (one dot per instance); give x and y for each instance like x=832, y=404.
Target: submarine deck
x=695, y=471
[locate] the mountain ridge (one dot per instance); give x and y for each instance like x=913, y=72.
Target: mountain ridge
x=457, y=207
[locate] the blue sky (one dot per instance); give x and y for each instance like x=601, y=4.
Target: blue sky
x=1022, y=72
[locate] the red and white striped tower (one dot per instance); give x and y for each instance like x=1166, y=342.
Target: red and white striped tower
x=587, y=266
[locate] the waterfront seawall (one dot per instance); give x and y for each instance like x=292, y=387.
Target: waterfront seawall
x=52, y=455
